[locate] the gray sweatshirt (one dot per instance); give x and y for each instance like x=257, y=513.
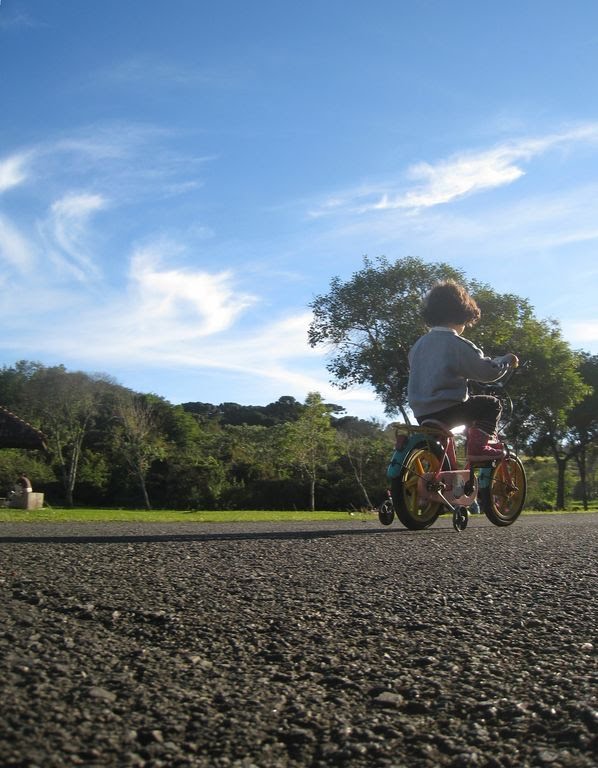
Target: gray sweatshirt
x=440, y=363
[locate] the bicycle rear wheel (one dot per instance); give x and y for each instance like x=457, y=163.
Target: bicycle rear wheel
x=413, y=513
x=503, y=501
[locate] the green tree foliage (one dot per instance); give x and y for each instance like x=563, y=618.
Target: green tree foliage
x=311, y=442
x=138, y=438
x=112, y=446
x=559, y=388
x=550, y=386
x=63, y=405
x=191, y=474
x=582, y=422
x=283, y=410
x=14, y=462
x=364, y=450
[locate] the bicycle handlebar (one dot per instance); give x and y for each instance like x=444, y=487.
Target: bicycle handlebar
x=501, y=383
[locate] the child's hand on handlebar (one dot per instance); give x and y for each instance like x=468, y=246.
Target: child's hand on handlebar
x=509, y=360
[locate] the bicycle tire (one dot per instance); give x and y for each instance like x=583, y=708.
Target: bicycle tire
x=412, y=513
x=503, y=500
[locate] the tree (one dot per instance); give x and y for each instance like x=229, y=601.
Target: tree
x=286, y=408
x=65, y=406
x=583, y=422
x=311, y=441
x=138, y=438
x=371, y=322
x=366, y=450
x=557, y=387
x=189, y=473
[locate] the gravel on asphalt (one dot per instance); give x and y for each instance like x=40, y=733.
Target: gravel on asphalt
x=332, y=644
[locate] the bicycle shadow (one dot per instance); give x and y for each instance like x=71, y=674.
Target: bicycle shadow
x=209, y=537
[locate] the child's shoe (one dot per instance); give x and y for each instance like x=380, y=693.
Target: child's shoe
x=483, y=447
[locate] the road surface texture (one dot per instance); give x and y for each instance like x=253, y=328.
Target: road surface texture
x=336, y=644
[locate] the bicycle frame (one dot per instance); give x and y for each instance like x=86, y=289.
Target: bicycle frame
x=451, y=486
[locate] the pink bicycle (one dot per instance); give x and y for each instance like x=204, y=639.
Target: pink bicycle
x=430, y=475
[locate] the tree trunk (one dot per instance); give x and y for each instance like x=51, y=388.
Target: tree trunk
x=142, y=485
x=73, y=469
x=580, y=458
x=362, y=487
x=312, y=494
x=560, y=485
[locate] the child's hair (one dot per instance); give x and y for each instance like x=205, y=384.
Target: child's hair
x=449, y=302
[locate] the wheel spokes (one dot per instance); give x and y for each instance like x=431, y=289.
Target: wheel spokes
x=506, y=490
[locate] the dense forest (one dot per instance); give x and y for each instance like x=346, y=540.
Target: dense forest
x=110, y=446
x=107, y=445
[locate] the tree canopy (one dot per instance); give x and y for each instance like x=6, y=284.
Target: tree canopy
x=370, y=322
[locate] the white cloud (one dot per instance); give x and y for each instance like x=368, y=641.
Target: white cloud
x=455, y=178
x=12, y=171
x=583, y=334
x=273, y=359
x=158, y=310
x=186, y=304
x=67, y=228
x=15, y=250
x=426, y=185
x=77, y=207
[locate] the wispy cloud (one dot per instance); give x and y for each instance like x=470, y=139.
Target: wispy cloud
x=582, y=334
x=67, y=225
x=13, y=170
x=426, y=185
x=15, y=250
x=155, y=332
x=16, y=19
x=147, y=70
x=128, y=162
x=183, y=304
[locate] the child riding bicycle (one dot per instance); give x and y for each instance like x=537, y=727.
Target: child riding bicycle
x=440, y=364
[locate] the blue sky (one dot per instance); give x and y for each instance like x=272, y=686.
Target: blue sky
x=179, y=179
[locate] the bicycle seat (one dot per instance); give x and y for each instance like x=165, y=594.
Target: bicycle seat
x=437, y=425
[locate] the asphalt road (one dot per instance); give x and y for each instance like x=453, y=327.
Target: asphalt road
x=299, y=645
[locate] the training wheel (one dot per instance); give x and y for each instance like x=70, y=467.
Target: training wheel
x=460, y=519
x=386, y=512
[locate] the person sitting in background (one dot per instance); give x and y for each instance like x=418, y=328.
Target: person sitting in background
x=22, y=485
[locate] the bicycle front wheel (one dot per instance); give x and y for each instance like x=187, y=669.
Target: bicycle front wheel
x=414, y=513
x=503, y=501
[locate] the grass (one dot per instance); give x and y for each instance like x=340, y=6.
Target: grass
x=63, y=515
x=60, y=515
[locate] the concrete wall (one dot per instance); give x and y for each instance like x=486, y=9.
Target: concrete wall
x=27, y=501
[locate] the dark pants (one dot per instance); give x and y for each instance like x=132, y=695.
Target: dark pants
x=482, y=411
